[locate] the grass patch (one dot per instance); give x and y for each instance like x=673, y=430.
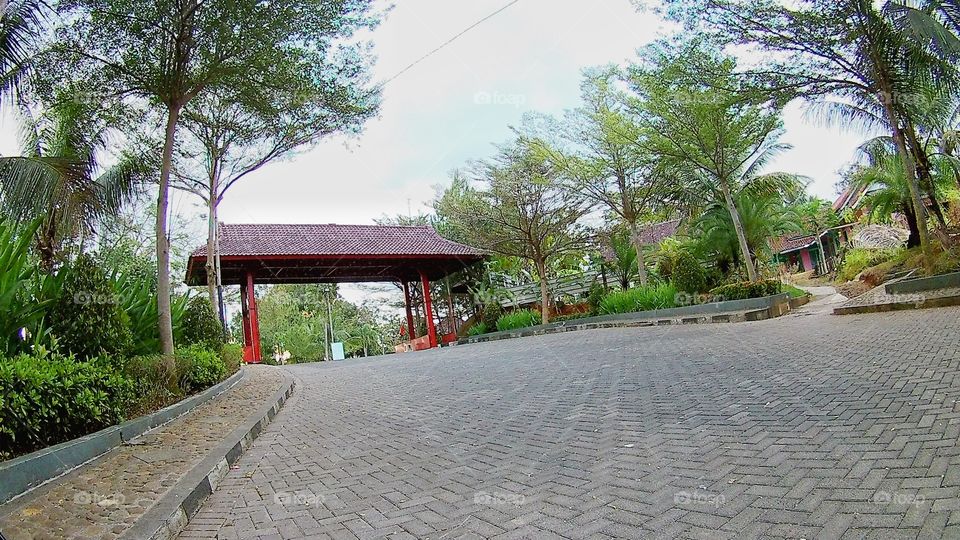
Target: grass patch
x=639, y=299
x=794, y=292
x=518, y=319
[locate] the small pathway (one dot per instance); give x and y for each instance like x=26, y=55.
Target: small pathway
x=105, y=497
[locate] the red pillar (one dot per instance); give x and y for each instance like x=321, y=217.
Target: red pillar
x=254, y=322
x=428, y=309
x=411, y=331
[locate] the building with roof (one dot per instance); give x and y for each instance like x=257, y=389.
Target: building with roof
x=251, y=254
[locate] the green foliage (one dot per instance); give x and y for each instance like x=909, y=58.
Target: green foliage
x=25, y=292
x=639, y=299
x=478, y=329
x=859, y=259
x=198, y=368
x=48, y=400
x=492, y=312
x=87, y=318
x=518, y=319
x=232, y=356
x=688, y=275
x=155, y=385
x=200, y=324
x=595, y=296
x=794, y=292
x=137, y=296
x=747, y=289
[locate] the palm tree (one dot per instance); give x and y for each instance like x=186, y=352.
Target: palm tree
x=764, y=217
x=58, y=180
x=888, y=193
x=20, y=24
x=717, y=140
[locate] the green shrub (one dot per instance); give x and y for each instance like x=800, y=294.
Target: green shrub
x=137, y=295
x=518, y=319
x=198, y=368
x=232, y=356
x=859, y=259
x=639, y=299
x=155, y=385
x=491, y=314
x=201, y=326
x=49, y=400
x=688, y=275
x=747, y=289
x=597, y=292
x=87, y=319
x=478, y=329
x=794, y=292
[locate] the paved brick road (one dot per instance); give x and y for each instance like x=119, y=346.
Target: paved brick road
x=809, y=426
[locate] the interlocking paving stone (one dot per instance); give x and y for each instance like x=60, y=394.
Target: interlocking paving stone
x=807, y=426
x=103, y=498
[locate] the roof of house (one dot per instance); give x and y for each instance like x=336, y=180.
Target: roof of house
x=331, y=253
x=787, y=244
x=656, y=233
x=333, y=239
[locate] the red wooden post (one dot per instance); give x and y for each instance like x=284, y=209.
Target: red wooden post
x=254, y=320
x=411, y=331
x=428, y=309
x=245, y=312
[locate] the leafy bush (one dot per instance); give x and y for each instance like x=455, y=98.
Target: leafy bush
x=155, y=385
x=87, y=318
x=859, y=259
x=201, y=326
x=688, y=275
x=518, y=319
x=232, y=355
x=748, y=289
x=639, y=299
x=491, y=314
x=597, y=292
x=137, y=295
x=25, y=292
x=49, y=400
x=198, y=368
x=478, y=329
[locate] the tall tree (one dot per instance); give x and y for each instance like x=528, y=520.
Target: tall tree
x=604, y=158
x=235, y=132
x=850, y=50
x=20, y=28
x=169, y=52
x=518, y=209
x=718, y=138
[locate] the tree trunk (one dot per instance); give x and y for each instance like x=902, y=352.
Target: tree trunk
x=741, y=236
x=165, y=323
x=641, y=262
x=544, y=291
x=212, y=253
x=914, y=239
x=911, y=169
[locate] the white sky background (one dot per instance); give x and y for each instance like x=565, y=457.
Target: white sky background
x=528, y=58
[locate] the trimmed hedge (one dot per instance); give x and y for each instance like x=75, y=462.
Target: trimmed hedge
x=198, y=368
x=49, y=400
x=232, y=354
x=688, y=275
x=747, y=289
x=519, y=319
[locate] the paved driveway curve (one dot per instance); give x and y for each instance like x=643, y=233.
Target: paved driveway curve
x=808, y=426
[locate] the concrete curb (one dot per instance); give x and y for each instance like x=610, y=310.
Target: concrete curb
x=754, y=309
x=21, y=474
x=913, y=285
x=944, y=301
x=170, y=515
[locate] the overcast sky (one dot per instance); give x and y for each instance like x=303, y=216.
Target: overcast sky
x=455, y=105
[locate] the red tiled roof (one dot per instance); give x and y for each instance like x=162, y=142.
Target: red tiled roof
x=658, y=232
x=335, y=240
x=786, y=244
